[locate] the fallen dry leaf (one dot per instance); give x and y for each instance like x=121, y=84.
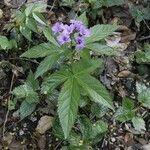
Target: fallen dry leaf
x=124, y=74
x=44, y=124
x=42, y=142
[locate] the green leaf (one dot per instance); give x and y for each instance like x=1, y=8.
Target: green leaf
x=20, y=17
x=47, y=64
x=98, y=128
x=85, y=127
x=68, y=105
x=31, y=24
x=140, y=87
x=127, y=104
x=142, y=57
x=98, y=110
x=4, y=43
x=31, y=81
x=53, y=81
x=29, y=9
x=22, y=91
x=41, y=50
x=49, y=36
x=68, y=2
x=25, y=91
x=33, y=98
x=102, y=49
x=39, y=18
x=138, y=123
x=124, y=114
x=86, y=66
x=99, y=32
x=26, y=109
x=91, y=131
x=83, y=18
x=26, y=32
x=144, y=98
x=96, y=90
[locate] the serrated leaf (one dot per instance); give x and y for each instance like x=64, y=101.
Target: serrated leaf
x=20, y=16
x=86, y=66
x=4, y=43
x=25, y=91
x=26, y=109
x=138, y=123
x=140, y=87
x=142, y=57
x=49, y=37
x=33, y=98
x=85, y=127
x=127, y=104
x=99, y=32
x=124, y=114
x=40, y=7
x=98, y=110
x=31, y=24
x=31, y=81
x=26, y=32
x=68, y=105
x=102, y=49
x=41, y=50
x=53, y=81
x=47, y=64
x=39, y=18
x=144, y=98
x=83, y=18
x=96, y=90
x=29, y=9
x=22, y=91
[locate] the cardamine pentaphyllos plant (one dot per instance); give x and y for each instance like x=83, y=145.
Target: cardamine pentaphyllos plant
x=68, y=67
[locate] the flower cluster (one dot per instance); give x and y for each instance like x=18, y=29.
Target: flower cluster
x=75, y=30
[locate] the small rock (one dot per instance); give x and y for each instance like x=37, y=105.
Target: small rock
x=113, y=139
x=146, y=147
x=1, y=13
x=44, y=124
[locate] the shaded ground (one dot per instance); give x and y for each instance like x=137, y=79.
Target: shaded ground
x=119, y=76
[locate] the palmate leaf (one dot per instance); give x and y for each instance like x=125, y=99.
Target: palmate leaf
x=86, y=66
x=68, y=105
x=100, y=32
x=47, y=33
x=102, y=49
x=96, y=90
x=47, y=64
x=40, y=50
x=54, y=80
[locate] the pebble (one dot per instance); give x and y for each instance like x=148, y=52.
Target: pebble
x=113, y=139
x=21, y=132
x=1, y=13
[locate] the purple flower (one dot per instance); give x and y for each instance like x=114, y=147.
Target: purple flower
x=84, y=31
x=57, y=27
x=77, y=24
x=62, y=39
x=68, y=29
x=80, y=42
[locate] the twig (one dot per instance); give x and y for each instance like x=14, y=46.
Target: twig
x=146, y=24
x=6, y=117
x=58, y=145
x=53, y=5
x=144, y=38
